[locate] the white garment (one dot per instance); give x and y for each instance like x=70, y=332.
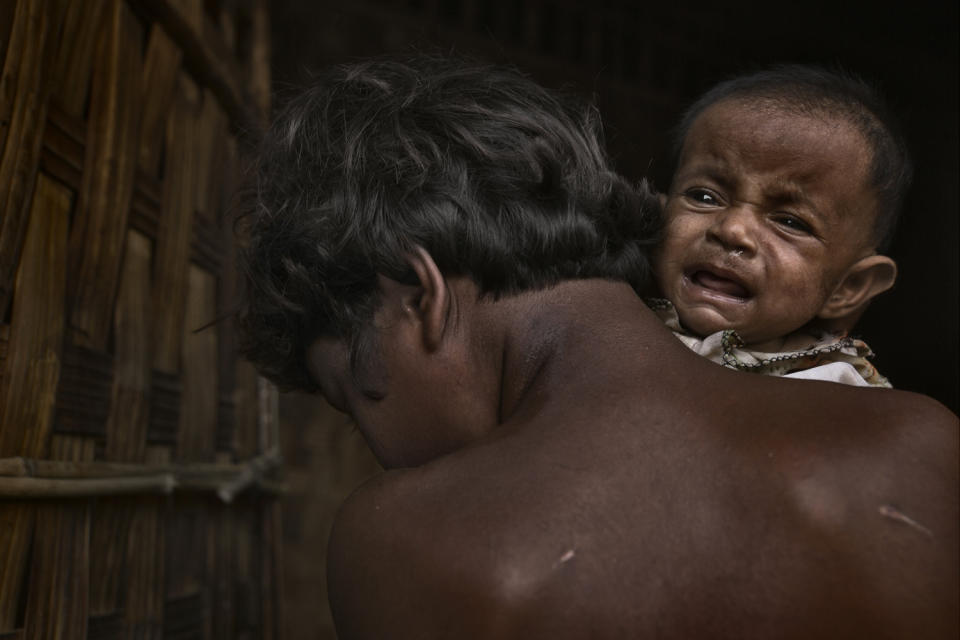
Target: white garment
x=842, y=372
x=806, y=354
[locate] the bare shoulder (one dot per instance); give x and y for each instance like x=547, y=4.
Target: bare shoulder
x=882, y=489
x=368, y=559
x=917, y=436
x=917, y=460
x=892, y=453
x=404, y=562
x=864, y=428
x=917, y=444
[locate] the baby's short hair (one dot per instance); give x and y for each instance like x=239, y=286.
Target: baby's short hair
x=813, y=90
x=496, y=177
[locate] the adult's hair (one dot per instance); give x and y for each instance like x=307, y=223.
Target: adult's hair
x=812, y=90
x=497, y=178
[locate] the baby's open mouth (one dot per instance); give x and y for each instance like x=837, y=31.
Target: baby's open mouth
x=720, y=284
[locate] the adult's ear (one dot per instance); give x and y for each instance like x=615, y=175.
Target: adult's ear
x=431, y=302
x=867, y=278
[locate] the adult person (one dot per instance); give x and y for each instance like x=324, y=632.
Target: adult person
x=444, y=253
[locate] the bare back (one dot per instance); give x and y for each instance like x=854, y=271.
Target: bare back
x=639, y=491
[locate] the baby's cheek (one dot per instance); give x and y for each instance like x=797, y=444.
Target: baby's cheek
x=676, y=238
x=664, y=264
x=658, y=256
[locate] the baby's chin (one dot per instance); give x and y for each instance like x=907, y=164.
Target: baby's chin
x=707, y=322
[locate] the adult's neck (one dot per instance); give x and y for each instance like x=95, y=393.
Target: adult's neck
x=595, y=328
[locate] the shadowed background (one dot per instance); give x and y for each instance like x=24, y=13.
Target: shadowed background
x=644, y=62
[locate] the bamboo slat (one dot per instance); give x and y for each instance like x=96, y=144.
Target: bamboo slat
x=199, y=403
x=246, y=574
x=25, y=477
x=83, y=24
x=259, y=69
x=228, y=28
x=221, y=571
x=72, y=448
x=271, y=572
x=247, y=412
x=99, y=228
x=127, y=424
x=63, y=144
x=18, y=466
x=268, y=422
x=109, y=522
x=126, y=429
x=164, y=408
x=225, y=488
x=4, y=347
x=106, y=626
x=190, y=12
x=16, y=529
x=226, y=300
x=175, y=228
x=145, y=573
x=33, y=360
x=85, y=487
x=187, y=551
x=223, y=442
x=58, y=604
x=32, y=369
x=145, y=208
x=7, y=10
x=206, y=246
x=24, y=90
x=160, y=71
x=185, y=616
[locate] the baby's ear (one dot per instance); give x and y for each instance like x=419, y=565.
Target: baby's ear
x=867, y=278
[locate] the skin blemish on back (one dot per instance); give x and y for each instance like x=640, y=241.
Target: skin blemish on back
x=566, y=557
x=887, y=511
x=817, y=496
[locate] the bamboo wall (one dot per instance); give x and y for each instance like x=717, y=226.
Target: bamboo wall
x=135, y=450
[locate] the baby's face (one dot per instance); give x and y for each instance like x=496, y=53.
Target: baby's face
x=766, y=212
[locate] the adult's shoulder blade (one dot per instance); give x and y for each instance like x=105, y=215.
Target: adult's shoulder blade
x=363, y=564
x=400, y=565
x=904, y=516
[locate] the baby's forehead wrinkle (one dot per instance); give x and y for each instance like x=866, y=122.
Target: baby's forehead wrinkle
x=778, y=189
x=787, y=191
x=707, y=165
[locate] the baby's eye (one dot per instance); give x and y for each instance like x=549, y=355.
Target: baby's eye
x=793, y=223
x=702, y=197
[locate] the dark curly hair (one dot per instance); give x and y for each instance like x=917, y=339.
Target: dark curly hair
x=495, y=177
x=834, y=93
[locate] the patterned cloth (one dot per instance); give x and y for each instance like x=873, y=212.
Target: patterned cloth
x=804, y=354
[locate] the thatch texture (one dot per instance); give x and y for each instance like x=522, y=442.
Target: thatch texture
x=137, y=454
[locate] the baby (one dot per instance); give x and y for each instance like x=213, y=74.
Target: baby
x=788, y=183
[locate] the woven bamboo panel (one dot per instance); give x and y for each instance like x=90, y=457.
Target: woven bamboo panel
x=136, y=451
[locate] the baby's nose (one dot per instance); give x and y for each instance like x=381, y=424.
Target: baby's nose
x=735, y=229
